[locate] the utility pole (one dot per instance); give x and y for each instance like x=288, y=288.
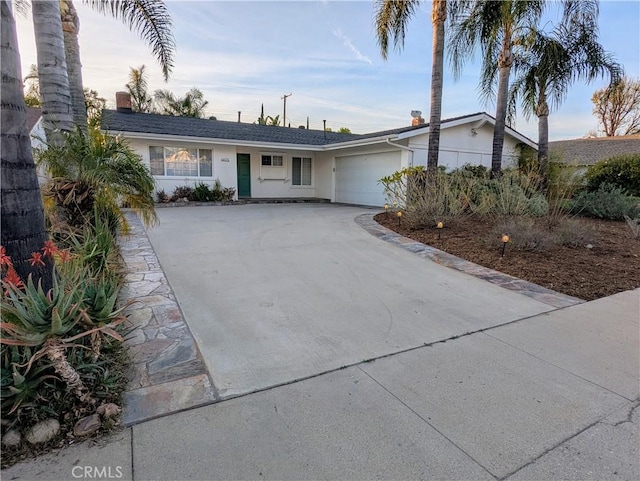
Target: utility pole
x=284, y=117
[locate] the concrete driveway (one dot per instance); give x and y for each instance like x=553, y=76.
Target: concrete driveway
x=277, y=293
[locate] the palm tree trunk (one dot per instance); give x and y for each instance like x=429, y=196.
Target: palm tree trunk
x=52, y=69
x=70, y=29
x=438, y=17
x=504, y=64
x=542, y=111
x=22, y=213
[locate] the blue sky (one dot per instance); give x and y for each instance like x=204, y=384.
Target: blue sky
x=245, y=53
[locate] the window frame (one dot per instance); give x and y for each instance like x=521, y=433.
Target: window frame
x=271, y=155
x=302, y=158
x=198, y=161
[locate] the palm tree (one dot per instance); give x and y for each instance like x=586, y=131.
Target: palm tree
x=497, y=27
x=149, y=18
x=22, y=216
x=392, y=17
x=97, y=171
x=191, y=105
x=138, y=87
x=52, y=70
x=547, y=69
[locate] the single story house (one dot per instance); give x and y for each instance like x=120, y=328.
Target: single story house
x=262, y=161
x=586, y=152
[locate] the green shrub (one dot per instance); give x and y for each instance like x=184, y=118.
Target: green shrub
x=161, y=196
x=622, y=171
x=607, y=202
x=202, y=193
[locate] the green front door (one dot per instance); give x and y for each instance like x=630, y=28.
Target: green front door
x=244, y=175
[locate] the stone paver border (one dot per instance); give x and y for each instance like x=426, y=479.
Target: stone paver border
x=539, y=293
x=167, y=373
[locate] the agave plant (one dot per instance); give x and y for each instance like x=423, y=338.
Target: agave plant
x=47, y=321
x=97, y=171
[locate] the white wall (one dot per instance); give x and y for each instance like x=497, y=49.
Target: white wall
x=270, y=182
x=459, y=146
x=224, y=164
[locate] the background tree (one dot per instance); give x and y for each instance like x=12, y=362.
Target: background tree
x=617, y=108
x=32, y=88
x=94, y=106
x=148, y=18
x=548, y=68
x=344, y=130
x=22, y=214
x=138, y=88
x=191, y=105
x=392, y=17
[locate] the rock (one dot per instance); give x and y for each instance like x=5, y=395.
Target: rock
x=87, y=425
x=11, y=438
x=108, y=410
x=43, y=431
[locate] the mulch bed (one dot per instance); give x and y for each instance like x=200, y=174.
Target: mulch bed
x=609, y=265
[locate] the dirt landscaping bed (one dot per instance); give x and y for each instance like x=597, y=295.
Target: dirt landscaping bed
x=608, y=263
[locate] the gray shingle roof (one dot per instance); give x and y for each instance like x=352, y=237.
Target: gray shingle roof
x=590, y=151
x=117, y=121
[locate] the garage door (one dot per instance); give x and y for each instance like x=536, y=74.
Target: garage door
x=357, y=177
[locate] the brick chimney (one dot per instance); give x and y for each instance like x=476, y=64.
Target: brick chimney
x=417, y=121
x=123, y=102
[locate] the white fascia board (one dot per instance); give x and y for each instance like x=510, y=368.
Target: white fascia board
x=208, y=140
x=361, y=142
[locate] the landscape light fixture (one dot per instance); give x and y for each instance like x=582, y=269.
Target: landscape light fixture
x=439, y=226
x=505, y=239
x=399, y=214
x=386, y=210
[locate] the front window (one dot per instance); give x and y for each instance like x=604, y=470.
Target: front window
x=301, y=171
x=180, y=161
x=273, y=160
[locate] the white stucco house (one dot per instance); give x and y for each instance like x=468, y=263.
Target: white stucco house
x=262, y=161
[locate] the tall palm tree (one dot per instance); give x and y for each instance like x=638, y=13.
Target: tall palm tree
x=392, y=17
x=191, y=105
x=545, y=72
x=22, y=216
x=149, y=18
x=138, y=88
x=52, y=70
x=497, y=27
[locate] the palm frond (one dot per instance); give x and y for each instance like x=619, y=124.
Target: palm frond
x=148, y=18
x=391, y=20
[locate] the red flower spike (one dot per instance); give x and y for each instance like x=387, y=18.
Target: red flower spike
x=5, y=260
x=13, y=278
x=49, y=248
x=64, y=255
x=36, y=259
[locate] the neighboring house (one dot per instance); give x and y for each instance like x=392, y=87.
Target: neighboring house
x=585, y=152
x=278, y=162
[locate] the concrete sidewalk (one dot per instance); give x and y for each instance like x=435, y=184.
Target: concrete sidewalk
x=554, y=396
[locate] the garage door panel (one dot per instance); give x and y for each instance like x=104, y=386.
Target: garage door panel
x=357, y=177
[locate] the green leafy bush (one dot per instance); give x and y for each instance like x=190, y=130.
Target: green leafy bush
x=622, y=171
x=607, y=202
x=202, y=193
